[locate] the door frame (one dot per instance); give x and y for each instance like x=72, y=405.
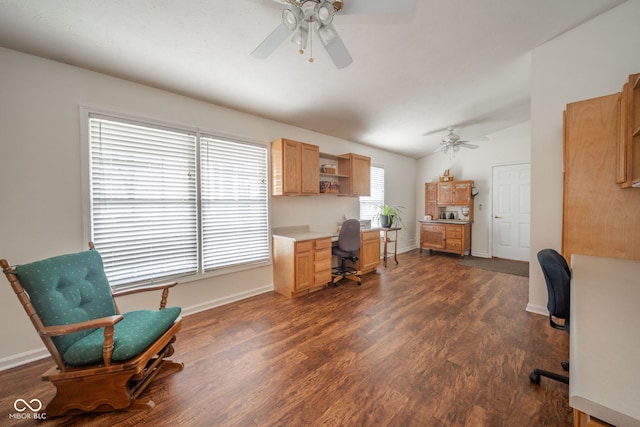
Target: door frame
x=491, y=213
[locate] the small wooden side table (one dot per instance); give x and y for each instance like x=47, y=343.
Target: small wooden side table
x=393, y=240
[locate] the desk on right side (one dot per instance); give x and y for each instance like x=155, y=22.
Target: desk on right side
x=605, y=340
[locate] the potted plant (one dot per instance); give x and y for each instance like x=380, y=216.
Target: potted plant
x=389, y=216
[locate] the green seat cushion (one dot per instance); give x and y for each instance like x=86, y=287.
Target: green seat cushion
x=138, y=330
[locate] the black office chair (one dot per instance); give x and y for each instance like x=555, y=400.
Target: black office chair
x=347, y=249
x=558, y=277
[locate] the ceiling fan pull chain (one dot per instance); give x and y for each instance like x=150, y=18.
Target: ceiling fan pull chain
x=311, y=42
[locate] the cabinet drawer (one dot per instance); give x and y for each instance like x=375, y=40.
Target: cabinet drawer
x=454, y=244
x=304, y=246
x=457, y=234
x=323, y=243
x=454, y=228
x=322, y=254
x=322, y=278
x=433, y=227
x=322, y=264
x=370, y=235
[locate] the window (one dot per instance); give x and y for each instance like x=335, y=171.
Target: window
x=170, y=202
x=369, y=205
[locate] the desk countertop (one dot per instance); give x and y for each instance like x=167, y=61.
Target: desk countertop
x=604, y=345
x=302, y=233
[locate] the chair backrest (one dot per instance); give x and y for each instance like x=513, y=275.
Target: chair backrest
x=558, y=277
x=349, y=237
x=67, y=289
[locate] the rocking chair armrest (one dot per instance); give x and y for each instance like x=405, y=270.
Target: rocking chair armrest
x=154, y=287
x=163, y=286
x=58, y=330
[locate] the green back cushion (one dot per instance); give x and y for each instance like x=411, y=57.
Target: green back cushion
x=68, y=289
x=73, y=288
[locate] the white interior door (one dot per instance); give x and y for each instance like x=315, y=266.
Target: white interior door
x=511, y=211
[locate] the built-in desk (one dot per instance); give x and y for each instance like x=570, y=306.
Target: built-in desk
x=302, y=258
x=605, y=340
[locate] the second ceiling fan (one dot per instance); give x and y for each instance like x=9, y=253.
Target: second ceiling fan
x=301, y=18
x=453, y=142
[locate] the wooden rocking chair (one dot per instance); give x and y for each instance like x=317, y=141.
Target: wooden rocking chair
x=104, y=359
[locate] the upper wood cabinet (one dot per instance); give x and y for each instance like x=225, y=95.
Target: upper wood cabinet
x=628, y=142
x=599, y=218
x=431, y=199
x=445, y=193
x=356, y=171
x=294, y=168
x=454, y=193
x=462, y=193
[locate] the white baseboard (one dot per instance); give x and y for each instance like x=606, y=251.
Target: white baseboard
x=538, y=309
x=23, y=358
x=29, y=356
x=225, y=300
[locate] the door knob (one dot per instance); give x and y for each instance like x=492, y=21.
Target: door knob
x=497, y=217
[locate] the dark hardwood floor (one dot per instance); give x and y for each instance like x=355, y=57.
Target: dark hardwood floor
x=423, y=343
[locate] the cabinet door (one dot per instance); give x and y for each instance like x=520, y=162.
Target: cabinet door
x=360, y=175
x=432, y=236
x=369, y=251
x=445, y=193
x=309, y=176
x=304, y=265
x=431, y=199
x=291, y=167
x=462, y=193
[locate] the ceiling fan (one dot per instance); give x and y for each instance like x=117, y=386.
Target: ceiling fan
x=301, y=18
x=453, y=142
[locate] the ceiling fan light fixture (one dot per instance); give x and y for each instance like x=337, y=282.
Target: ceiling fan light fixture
x=291, y=18
x=324, y=13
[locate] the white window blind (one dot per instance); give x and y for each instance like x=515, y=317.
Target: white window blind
x=168, y=202
x=369, y=205
x=143, y=193
x=235, y=218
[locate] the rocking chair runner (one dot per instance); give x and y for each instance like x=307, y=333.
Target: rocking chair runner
x=104, y=359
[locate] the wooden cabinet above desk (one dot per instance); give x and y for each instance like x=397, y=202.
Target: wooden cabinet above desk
x=294, y=168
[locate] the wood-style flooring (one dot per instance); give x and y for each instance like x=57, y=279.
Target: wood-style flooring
x=424, y=343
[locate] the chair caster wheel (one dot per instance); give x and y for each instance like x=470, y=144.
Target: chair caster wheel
x=535, y=378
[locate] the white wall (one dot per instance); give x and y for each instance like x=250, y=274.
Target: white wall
x=592, y=60
x=40, y=148
x=509, y=146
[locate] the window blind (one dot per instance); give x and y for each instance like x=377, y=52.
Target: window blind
x=235, y=217
x=143, y=199
x=369, y=205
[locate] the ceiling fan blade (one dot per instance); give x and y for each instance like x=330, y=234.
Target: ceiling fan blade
x=333, y=44
x=480, y=138
x=373, y=7
x=472, y=146
x=272, y=42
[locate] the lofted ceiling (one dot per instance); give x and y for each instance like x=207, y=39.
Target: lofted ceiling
x=448, y=63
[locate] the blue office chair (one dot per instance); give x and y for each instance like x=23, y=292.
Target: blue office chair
x=558, y=277
x=347, y=249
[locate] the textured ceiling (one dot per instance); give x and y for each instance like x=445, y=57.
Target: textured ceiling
x=449, y=63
